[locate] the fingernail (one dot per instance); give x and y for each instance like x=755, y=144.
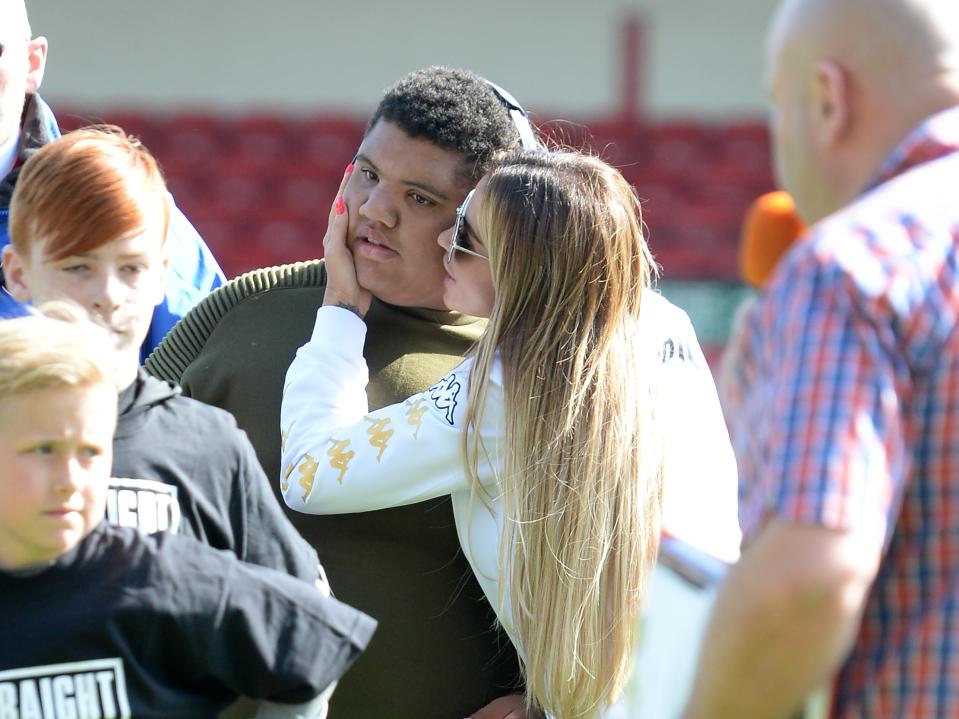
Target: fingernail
x=340, y=207
x=349, y=169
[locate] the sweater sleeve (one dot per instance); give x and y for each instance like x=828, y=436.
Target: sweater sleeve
x=340, y=458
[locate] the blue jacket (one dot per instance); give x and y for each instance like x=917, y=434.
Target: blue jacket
x=193, y=271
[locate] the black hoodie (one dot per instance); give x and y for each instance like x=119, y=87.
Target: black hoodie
x=185, y=466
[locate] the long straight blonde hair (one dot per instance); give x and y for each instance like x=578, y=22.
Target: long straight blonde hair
x=581, y=467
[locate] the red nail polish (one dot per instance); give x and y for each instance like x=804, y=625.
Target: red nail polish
x=349, y=169
x=340, y=207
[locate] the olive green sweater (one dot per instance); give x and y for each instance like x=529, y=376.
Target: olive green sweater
x=434, y=653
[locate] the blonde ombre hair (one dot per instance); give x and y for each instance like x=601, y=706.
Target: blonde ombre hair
x=581, y=469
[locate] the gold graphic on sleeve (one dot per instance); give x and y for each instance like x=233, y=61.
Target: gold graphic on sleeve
x=414, y=415
x=285, y=483
x=379, y=434
x=285, y=434
x=339, y=457
x=307, y=475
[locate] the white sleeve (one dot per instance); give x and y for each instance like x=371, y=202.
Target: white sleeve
x=337, y=457
x=700, y=479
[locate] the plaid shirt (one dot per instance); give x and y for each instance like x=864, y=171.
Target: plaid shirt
x=850, y=415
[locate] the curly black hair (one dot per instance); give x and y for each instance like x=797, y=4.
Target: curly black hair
x=454, y=109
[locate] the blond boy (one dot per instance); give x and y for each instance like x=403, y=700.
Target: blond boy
x=104, y=621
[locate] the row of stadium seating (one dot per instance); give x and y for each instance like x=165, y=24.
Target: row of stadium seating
x=258, y=187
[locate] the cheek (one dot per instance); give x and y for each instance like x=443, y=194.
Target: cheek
x=95, y=494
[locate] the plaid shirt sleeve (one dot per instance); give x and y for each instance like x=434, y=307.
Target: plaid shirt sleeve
x=821, y=436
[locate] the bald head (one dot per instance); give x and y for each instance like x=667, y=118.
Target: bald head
x=13, y=20
x=849, y=79
x=883, y=40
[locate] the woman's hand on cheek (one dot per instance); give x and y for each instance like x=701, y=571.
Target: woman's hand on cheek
x=342, y=287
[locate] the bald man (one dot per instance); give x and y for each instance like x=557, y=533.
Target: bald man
x=848, y=438
x=26, y=124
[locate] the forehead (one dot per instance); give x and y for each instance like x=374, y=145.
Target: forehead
x=13, y=20
x=62, y=411
x=414, y=160
x=143, y=243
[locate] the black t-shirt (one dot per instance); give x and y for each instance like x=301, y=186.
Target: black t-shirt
x=127, y=624
x=183, y=466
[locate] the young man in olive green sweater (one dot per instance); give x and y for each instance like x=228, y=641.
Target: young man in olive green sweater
x=427, y=144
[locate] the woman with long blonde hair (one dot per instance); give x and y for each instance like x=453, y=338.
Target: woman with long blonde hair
x=545, y=436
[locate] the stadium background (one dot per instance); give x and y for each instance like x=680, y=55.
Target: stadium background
x=254, y=108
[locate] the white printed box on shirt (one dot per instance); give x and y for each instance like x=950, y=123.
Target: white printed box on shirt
x=94, y=689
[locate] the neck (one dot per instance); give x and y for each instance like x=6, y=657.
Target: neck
x=126, y=369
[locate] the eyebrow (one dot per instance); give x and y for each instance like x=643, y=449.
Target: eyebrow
x=409, y=183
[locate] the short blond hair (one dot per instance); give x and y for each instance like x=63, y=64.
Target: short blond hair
x=38, y=352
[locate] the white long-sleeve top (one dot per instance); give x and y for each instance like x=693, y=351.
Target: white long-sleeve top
x=338, y=457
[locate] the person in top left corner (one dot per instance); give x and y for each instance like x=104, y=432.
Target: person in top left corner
x=27, y=124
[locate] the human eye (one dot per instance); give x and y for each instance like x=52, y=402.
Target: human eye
x=42, y=449
x=91, y=452
x=422, y=199
x=133, y=269
x=74, y=268
x=369, y=174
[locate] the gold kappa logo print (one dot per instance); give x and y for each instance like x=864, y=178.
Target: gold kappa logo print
x=379, y=434
x=414, y=415
x=307, y=475
x=339, y=457
x=285, y=434
x=285, y=484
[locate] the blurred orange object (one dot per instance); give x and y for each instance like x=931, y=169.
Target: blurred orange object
x=770, y=227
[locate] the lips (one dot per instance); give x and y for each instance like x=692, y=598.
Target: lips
x=371, y=245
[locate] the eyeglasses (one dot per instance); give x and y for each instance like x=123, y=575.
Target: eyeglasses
x=459, y=239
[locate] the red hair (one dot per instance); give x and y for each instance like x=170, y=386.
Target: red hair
x=88, y=188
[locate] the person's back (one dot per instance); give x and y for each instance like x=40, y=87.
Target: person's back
x=846, y=429
x=897, y=278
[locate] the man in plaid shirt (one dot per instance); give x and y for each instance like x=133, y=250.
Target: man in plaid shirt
x=848, y=438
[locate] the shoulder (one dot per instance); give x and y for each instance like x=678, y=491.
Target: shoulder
x=447, y=397
x=210, y=428
x=189, y=337
x=667, y=330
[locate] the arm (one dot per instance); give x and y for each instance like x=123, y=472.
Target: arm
x=337, y=458
x=824, y=464
x=784, y=620
x=278, y=640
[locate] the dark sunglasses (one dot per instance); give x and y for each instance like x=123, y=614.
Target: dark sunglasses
x=459, y=239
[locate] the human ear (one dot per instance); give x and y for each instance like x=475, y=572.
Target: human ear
x=14, y=275
x=36, y=62
x=830, y=104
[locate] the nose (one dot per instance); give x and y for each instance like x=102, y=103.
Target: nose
x=107, y=293
x=69, y=475
x=444, y=238
x=379, y=208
